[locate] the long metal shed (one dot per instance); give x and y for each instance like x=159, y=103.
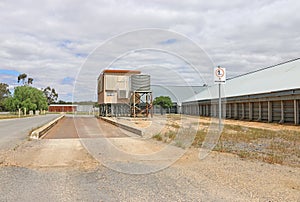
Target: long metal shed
x=270, y=94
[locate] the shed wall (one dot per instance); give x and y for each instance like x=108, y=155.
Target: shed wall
x=265, y=108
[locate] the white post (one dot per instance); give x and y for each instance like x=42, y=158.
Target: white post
x=270, y=111
x=259, y=111
x=296, y=114
x=220, y=107
x=134, y=104
x=282, y=111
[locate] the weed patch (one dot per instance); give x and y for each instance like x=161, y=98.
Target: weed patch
x=158, y=137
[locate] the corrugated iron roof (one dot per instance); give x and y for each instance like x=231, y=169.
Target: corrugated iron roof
x=62, y=105
x=284, y=76
x=176, y=93
x=120, y=71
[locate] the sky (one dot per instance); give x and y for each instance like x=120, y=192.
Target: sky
x=66, y=44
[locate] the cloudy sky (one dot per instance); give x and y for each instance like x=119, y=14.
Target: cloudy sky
x=58, y=43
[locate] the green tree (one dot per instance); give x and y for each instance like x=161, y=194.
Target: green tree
x=164, y=101
x=27, y=97
x=22, y=77
x=63, y=102
x=11, y=104
x=30, y=80
x=50, y=94
x=4, y=94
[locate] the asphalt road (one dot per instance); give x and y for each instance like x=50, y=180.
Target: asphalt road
x=14, y=131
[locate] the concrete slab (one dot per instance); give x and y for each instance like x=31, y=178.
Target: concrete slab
x=50, y=153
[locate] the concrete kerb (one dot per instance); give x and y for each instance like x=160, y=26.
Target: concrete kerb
x=40, y=132
x=123, y=126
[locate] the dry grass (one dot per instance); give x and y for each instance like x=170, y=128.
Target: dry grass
x=174, y=117
x=174, y=125
x=267, y=145
x=275, y=147
x=158, y=137
x=13, y=116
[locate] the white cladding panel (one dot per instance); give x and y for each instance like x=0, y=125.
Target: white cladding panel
x=116, y=82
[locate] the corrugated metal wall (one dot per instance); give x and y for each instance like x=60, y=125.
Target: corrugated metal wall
x=264, y=111
x=276, y=111
x=288, y=106
x=228, y=111
x=255, y=111
x=280, y=110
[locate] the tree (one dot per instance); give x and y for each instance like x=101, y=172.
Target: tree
x=4, y=94
x=22, y=77
x=50, y=94
x=4, y=91
x=26, y=97
x=63, y=102
x=11, y=104
x=30, y=80
x=164, y=101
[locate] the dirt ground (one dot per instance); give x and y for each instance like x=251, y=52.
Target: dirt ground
x=225, y=175
x=262, y=181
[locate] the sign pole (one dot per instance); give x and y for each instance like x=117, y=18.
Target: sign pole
x=220, y=108
x=220, y=78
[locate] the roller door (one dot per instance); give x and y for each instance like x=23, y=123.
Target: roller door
x=228, y=109
x=298, y=111
x=215, y=110
x=204, y=110
x=201, y=110
x=276, y=111
x=288, y=106
x=264, y=111
x=255, y=112
x=246, y=111
x=209, y=112
x=207, y=109
x=240, y=110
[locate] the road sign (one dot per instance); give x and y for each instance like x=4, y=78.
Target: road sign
x=220, y=78
x=220, y=75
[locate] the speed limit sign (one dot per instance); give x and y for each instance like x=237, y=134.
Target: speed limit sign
x=220, y=75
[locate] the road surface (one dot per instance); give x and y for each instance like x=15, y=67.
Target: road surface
x=14, y=131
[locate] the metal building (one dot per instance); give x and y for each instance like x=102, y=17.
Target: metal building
x=121, y=93
x=62, y=108
x=271, y=94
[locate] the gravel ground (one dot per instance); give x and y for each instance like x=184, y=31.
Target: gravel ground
x=100, y=185
x=73, y=175
x=219, y=177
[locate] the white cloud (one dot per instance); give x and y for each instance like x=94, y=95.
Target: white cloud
x=49, y=40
